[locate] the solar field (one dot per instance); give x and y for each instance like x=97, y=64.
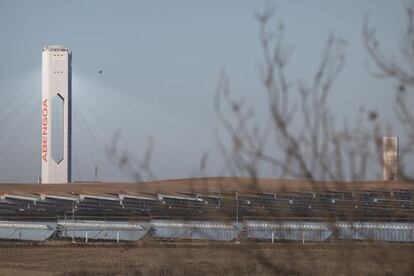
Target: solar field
x=222, y=209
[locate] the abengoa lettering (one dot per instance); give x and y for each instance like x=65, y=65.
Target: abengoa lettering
x=45, y=112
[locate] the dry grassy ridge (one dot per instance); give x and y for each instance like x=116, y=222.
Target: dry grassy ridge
x=203, y=185
x=207, y=259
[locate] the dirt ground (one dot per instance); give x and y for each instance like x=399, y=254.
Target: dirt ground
x=64, y=258
x=201, y=185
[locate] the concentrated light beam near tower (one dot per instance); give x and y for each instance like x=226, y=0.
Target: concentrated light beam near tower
x=56, y=114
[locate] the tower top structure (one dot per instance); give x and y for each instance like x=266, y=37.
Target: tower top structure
x=55, y=48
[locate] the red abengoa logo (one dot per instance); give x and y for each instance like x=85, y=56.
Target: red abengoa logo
x=44, y=130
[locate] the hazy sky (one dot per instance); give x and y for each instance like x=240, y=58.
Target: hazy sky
x=161, y=61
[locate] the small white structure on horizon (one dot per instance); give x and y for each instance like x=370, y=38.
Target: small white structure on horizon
x=56, y=114
x=390, y=157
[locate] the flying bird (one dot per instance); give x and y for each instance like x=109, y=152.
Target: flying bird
x=100, y=71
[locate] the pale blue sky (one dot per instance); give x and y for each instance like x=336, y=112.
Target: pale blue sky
x=161, y=62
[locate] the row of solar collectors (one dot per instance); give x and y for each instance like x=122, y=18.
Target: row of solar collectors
x=320, y=231
x=210, y=231
x=295, y=204
x=314, y=204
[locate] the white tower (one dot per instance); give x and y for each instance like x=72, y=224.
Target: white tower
x=390, y=157
x=56, y=114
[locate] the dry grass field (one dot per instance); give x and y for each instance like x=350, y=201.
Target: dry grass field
x=204, y=185
x=60, y=258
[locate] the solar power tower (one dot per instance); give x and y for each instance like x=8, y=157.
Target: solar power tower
x=390, y=157
x=56, y=114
